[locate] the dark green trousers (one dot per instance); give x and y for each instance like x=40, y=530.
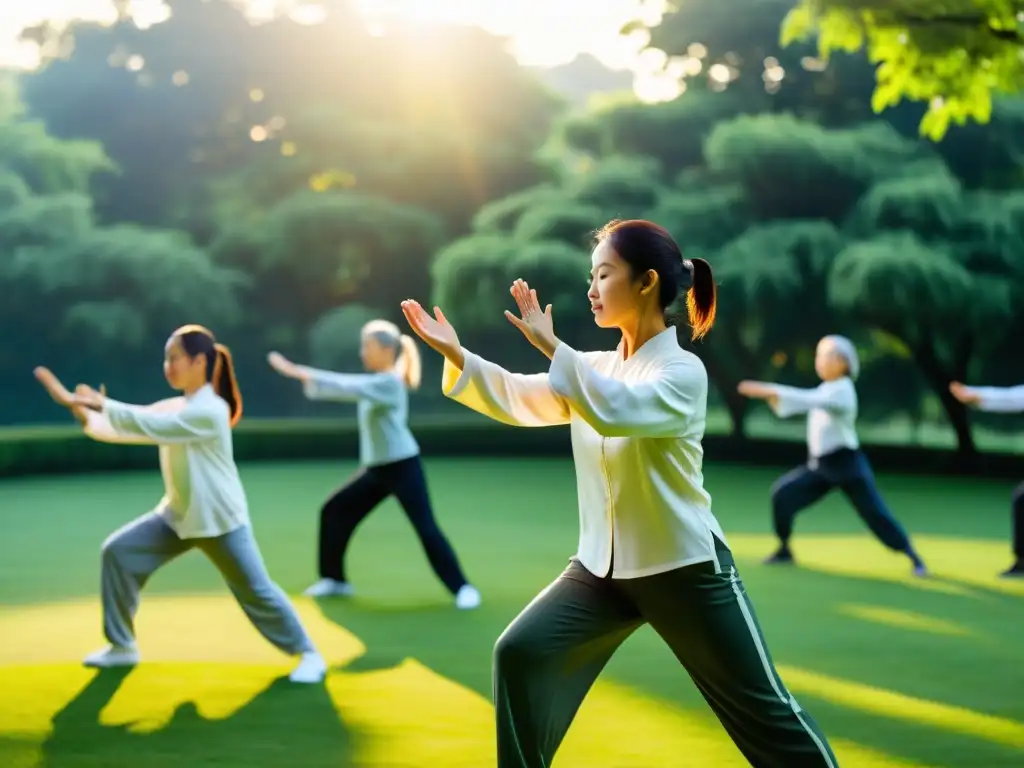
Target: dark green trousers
x=550, y=655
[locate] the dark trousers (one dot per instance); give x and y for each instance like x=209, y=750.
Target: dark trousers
x=347, y=508
x=849, y=471
x=548, y=658
x=1018, y=522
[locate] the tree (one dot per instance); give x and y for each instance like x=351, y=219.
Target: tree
x=315, y=250
x=772, y=281
x=952, y=56
x=924, y=296
x=415, y=125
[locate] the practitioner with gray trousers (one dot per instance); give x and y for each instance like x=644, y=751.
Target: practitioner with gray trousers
x=204, y=506
x=650, y=549
x=834, y=456
x=1001, y=400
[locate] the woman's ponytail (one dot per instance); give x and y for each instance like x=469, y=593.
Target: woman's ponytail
x=408, y=362
x=701, y=299
x=225, y=383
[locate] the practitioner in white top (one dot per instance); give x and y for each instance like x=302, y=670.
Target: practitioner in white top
x=1001, y=400
x=650, y=550
x=388, y=454
x=204, y=506
x=834, y=456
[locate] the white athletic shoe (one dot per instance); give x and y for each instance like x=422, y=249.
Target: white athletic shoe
x=329, y=588
x=311, y=669
x=467, y=598
x=113, y=656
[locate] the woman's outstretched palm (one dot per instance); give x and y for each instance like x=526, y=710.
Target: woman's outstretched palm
x=435, y=331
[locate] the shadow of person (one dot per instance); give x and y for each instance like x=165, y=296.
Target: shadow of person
x=284, y=725
x=454, y=644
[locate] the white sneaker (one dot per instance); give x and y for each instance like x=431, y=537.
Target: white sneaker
x=467, y=598
x=311, y=669
x=113, y=656
x=329, y=588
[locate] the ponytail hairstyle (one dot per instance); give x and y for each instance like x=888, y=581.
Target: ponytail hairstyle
x=647, y=247
x=196, y=340
x=407, y=354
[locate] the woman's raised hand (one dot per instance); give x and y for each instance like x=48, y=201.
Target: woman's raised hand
x=53, y=387
x=436, y=331
x=964, y=394
x=283, y=365
x=536, y=324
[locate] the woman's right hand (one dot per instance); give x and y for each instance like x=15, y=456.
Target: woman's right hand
x=964, y=394
x=435, y=331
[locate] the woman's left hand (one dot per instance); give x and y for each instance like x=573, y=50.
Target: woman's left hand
x=536, y=325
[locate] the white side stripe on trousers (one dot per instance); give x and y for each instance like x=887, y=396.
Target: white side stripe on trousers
x=783, y=694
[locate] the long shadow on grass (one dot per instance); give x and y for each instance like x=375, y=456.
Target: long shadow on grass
x=800, y=612
x=284, y=726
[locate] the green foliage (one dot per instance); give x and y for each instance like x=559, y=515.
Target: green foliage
x=503, y=214
x=952, y=56
x=470, y=279
x=334, y=339
x=315, y=249
x=562, y=221
x=704, y=218
x=898, y=283
x=795, y=169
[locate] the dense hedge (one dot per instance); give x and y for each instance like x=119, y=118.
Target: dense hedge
x=64, y=449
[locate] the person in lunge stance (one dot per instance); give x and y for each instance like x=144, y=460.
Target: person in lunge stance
x=650, y=550
x=204, y=506
x=388, y=454
x=834, y=456
x=1001, y=400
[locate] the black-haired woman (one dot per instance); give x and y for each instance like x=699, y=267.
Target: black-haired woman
x=650, y=550
x=204, y=506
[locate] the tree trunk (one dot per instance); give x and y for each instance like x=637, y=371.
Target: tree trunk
x=939, y=379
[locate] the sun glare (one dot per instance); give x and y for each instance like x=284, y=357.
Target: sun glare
x=541, y=33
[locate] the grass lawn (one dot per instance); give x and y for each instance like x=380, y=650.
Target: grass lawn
x=899, y=672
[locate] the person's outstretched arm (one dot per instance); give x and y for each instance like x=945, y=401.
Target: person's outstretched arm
x=992, y=399
x=834, y=396
x=110, y=420
x=516, y=399
x=383, y=388
x=665, y=405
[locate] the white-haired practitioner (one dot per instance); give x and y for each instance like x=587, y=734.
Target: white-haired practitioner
x=1001, y=400
x=834, y=456
x=389, y=458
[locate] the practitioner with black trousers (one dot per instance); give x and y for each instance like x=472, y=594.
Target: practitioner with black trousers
x=389, y=457
x=650, y=549
x=834, y=456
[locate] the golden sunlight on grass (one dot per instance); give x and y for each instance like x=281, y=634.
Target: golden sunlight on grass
x=406, y=715
x=957, y=565
x=904, y=620
x=894, y=705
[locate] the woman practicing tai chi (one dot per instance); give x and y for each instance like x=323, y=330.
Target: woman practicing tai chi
x=650, y=550
x=835, y=459
x=1001, y=400
x=388, y=453
x=204, y=506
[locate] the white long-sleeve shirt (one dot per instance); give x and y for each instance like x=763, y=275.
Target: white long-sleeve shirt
x=203, y=493
x=831, y=409
x=382, y=408
x=636, y=428
x=1000, y=399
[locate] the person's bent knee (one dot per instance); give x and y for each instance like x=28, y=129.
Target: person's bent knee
x=515, y=651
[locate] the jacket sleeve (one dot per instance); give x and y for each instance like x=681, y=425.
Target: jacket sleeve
x=511, y=398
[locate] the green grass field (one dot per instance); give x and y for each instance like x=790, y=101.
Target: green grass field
x=899, y=672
